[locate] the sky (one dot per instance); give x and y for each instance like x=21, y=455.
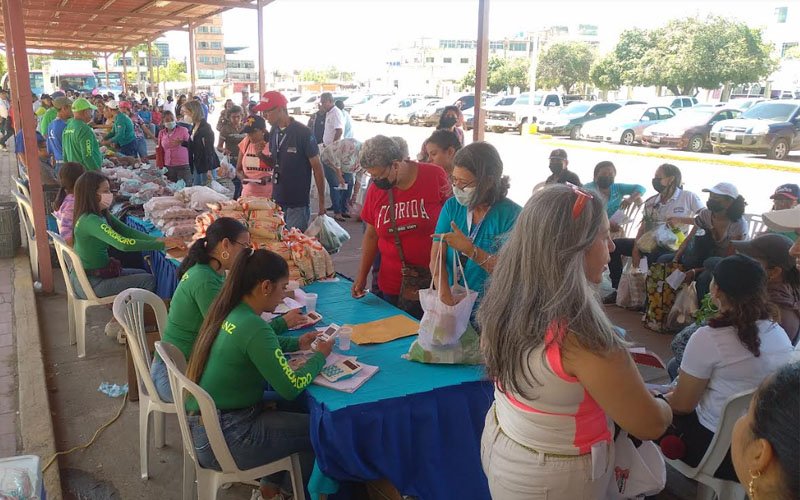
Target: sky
x=356, y=35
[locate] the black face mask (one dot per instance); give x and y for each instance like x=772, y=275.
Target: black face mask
x=448, y=122
x=604, y=181
x=715, y=206
x=658, y=186
x=384, y=183
x=556, y=166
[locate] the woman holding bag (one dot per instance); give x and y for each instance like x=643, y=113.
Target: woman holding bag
x=475, y=221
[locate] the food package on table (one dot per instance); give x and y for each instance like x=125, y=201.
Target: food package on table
x=266, y=228
x=264, y=214
x=272, y=245
x=321, y=260
x=174, y=213
x=257, y=203
x=233, y=214
x=225, y=205
x=216, y=186
x=161, y=203
x=179, y=229
x=302, y=259
x=294, y=272
x=198, y=197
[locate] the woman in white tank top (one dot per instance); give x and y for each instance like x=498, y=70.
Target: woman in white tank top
x=561, y=372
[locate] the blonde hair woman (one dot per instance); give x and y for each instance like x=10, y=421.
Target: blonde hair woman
x=202, y=155
x=561, y=372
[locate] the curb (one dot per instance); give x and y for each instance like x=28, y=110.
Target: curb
x=35, y=418
x=658, y=153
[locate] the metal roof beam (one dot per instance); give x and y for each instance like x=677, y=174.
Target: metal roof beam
x=229, y=4
x=107, y=15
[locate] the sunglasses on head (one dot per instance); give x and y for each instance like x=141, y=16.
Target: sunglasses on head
x=580, y=200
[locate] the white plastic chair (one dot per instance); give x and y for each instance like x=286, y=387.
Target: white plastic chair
x=755, y=225
x=708, y=486
x=26, y=216
x=129, y=311
x=634, y=212
x=69, y=260
x=22, y=188
x=210, y=480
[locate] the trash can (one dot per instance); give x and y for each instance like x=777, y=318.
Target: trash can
x=21, y=477
x=10, y=237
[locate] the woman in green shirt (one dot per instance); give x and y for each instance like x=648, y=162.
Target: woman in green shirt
x=96, y=230
x=236, y=353
x=201, y=276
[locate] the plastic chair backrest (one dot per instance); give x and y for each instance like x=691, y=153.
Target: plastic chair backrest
x=648, y=358
x=208, y=410
x=634, y=212
x=22, y=188
x=70, y=261
x=735, y=407
x=26, y=214
x=129, y=310
x=755, y=225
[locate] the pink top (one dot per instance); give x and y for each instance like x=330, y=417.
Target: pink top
x=561, y=417
x=175, y=155
x=255, y=169
x=64, y=216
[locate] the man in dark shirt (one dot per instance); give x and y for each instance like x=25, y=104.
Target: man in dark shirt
x=558, y=167
x=295, y=157
x=317, y=124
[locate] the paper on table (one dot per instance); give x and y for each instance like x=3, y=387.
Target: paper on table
x=385, y=330
x=619, y=218
x=675, y=279
x=643, y=267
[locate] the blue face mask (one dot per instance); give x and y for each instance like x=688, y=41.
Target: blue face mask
x=170, y=125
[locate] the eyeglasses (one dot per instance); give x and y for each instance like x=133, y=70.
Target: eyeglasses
x=580, y=201
x=461, y=184
x=244, y=245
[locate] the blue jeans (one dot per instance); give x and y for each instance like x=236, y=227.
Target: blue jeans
x=141, y=147
x=297, y=217
x=129, y=149
x=333, y=183
x=106, y=287
x=257, y=436
x=158, y=372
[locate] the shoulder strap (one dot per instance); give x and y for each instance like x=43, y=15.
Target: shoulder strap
x=394, y=228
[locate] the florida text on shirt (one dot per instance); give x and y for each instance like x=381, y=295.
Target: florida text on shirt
x=410, y=209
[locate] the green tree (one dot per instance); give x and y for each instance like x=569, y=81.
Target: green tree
x=502, y=74
x=175, y=71
x=792, y=53
x=564, y=64
x=606, y=73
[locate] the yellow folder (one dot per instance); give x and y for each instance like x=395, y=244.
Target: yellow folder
x=385, y=330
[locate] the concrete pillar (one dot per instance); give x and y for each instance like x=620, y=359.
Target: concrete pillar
x=150, y=68
x=260, y=22
x=124, y=72
x=192, y=58
x=481, y=69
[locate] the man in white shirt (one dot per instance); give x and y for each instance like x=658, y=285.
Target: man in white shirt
x=334, y=120
x=170, y=106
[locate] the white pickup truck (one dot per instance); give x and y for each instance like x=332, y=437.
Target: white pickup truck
x=516, y=112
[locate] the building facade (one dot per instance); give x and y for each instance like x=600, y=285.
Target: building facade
x=239, y=68
x=210, y=50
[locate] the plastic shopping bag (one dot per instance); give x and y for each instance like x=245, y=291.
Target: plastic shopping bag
x=660, y=297
x=637, y=471
x=666, y=238
x=328, y=232
x=631, y=292
x=442, y=325
x=682, y=313
x=466, y=352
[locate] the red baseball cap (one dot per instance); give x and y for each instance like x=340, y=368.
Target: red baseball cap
x=125, y=104
x=270, y=100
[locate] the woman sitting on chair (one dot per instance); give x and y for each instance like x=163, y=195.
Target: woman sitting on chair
x=738, y=349
x=235, y=353
x=617, y=196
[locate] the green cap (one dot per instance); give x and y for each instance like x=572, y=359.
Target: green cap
x=81, y=104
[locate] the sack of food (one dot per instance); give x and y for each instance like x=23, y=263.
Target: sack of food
x=249, y=203
x=266, y=228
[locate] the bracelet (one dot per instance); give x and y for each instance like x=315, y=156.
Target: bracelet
x=474, y=255
x=488, y=256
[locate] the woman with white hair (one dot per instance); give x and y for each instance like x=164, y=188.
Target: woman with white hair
x=560, y=369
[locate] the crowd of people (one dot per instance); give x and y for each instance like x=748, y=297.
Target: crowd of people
x=561, y=369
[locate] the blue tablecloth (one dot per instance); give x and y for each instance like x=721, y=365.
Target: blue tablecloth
x=163, y=268
x=417, y=425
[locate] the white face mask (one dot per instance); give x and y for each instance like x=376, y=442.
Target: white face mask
x=463, y=196
x=106, y=199
x=169, y=125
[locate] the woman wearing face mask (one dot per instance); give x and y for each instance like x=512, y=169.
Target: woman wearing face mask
x=617, y=196
x=96, y=231
x=174, y=140
x=235, y=353
x=202, y=155
x=475, y=221
x=400, y=212
x=452, y=120
x=741, y=346
x=765, y=442
x=671, y=201
x=715, y=227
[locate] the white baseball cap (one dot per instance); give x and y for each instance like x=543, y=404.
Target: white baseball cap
x=724, y=189
x=112, y=104
x=783, y=220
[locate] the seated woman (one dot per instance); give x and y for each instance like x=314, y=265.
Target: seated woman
x=65, y=201
x=738, y=349
x=476, y=220
x=617, y=196
x=441, y=147
x=96, y=231
x=765, y=441
x=235, y=353
x=715, y=227
x=671, y=201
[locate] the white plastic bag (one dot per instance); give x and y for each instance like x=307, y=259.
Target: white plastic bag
x=631, y=292
x=666, y=238
x=637, y=471
x=682, y=312
x=443, y=325
x=328, y=232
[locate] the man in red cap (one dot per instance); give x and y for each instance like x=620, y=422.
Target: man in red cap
x=295, y=156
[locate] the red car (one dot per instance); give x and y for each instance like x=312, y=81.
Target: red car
x=688, y=130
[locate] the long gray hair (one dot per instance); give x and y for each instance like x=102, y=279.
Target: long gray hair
x=538, y=282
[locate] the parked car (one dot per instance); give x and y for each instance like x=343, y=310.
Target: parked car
x=626, y=124
x=676, y=102
x=357, y=99
x=571, y=119
x=360, y=111
x=688, y=130
x=628, y=102
x=408, y=114
x=770, y=127
x=304, y=102
x=384, y=111
x=744, y=104
x=469, y=115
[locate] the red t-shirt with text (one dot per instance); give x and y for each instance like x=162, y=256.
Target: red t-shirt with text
x=416, y=213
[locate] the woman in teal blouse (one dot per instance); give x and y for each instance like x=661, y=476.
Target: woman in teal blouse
x=604, y=175
x=476, y=220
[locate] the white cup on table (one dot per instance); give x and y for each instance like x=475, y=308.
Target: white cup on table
x=311, y=302
x=343, y=338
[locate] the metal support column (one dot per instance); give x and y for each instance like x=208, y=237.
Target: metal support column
x=150, y=68
x=124, y=72
x=481, y=69
x=21, y=92
x=260, y=22
x=192, y=57
x=105, y=58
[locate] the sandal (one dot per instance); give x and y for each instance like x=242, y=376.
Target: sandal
x=339, y=218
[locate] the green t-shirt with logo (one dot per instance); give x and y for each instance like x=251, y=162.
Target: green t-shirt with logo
x=92, y=235
x=247, y=352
